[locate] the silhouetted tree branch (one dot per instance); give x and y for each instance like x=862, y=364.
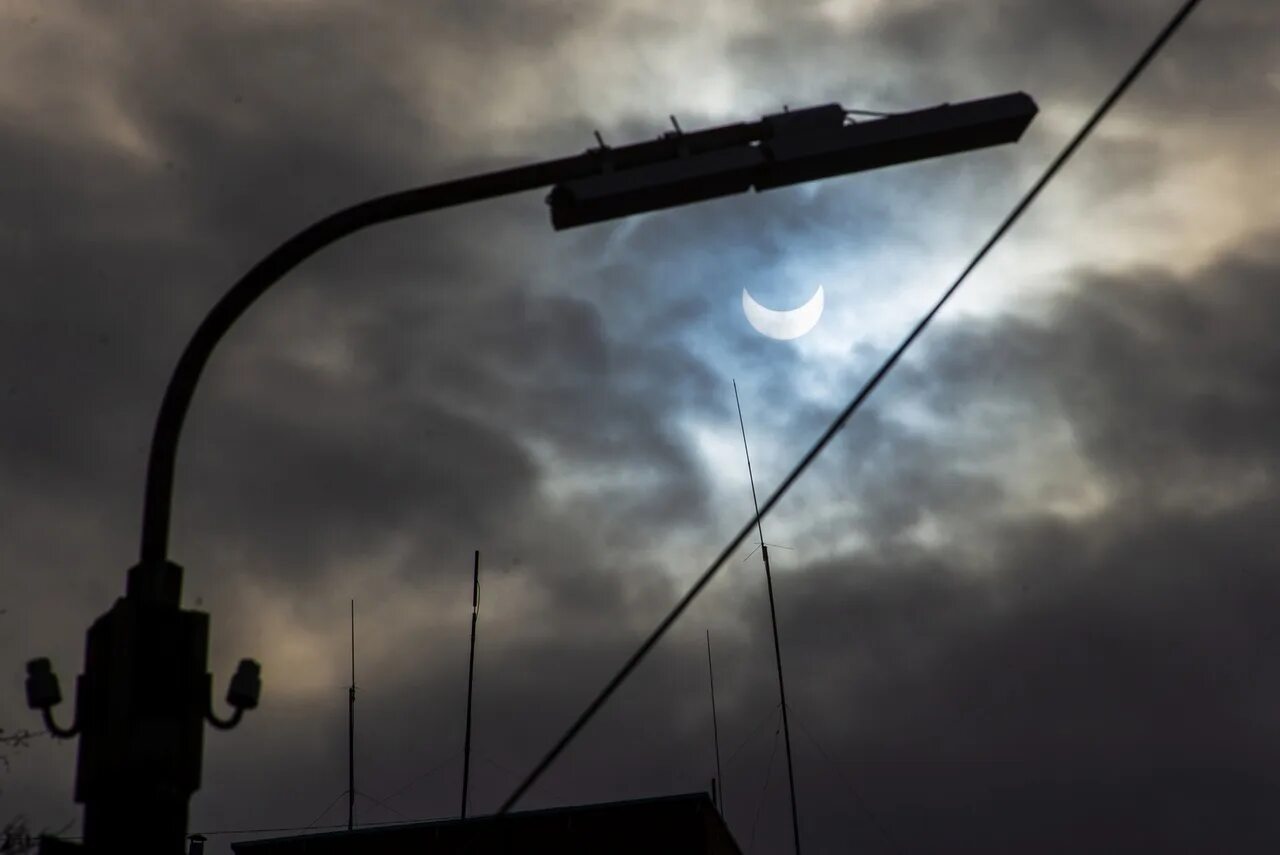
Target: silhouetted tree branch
x=13, y=740
x=16, y=837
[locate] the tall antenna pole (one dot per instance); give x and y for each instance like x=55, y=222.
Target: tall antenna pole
x=471, y=671
x=351, y=729
x=773, y=616
x=715, y=729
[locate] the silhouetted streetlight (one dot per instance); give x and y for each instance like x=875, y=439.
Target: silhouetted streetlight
x=144, y=694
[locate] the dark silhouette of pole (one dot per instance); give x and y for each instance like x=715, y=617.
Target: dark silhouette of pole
x=177, y=397
x=351, y=729
x=471, y=671
x=773, y=617
x=717, y=795
x=781, y=149
x=137, y=798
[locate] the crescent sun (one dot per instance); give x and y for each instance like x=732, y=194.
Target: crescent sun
x=783, y=325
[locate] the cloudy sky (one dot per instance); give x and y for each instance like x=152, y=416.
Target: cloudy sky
x=1030, y=593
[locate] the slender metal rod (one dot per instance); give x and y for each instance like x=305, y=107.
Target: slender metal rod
x=471, y=672
x=773, y=617
x=351, y=729
x=717, y=792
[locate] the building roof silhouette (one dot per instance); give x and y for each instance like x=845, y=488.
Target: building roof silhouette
x=686, y=824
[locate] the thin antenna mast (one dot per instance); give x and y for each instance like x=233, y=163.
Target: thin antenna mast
x=471, y=670
x=351, y=728
x=773, y=616
x=717, y=793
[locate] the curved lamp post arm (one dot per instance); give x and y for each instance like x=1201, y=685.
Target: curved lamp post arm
x=223, y=724
x=269, y=271
x=46, y=713
x=675, y=169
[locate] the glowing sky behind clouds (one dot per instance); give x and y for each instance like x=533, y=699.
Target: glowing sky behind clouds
x=1049, y=543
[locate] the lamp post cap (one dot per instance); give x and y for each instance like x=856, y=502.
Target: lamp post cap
x=158, y=582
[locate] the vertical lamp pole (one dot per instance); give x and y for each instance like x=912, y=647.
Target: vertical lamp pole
x=145, y=694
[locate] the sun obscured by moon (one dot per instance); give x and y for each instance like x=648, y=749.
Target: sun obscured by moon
x=786, y=324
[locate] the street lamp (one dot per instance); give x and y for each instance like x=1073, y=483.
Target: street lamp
x=144, y=694
x=780, y=150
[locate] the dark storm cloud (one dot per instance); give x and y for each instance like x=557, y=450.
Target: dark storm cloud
x=1162, y=380
x=1124, y=660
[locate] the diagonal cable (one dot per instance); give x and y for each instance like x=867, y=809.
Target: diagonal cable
x=752, y=734
x=840, y=420
x=380, y=802
x=431, y=771
x=858, y=800
x=326, y=810
x=768, y=770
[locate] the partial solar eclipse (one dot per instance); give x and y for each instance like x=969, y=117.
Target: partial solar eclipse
x=783, y=325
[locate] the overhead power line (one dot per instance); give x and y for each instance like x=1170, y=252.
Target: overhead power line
x=636, y=658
